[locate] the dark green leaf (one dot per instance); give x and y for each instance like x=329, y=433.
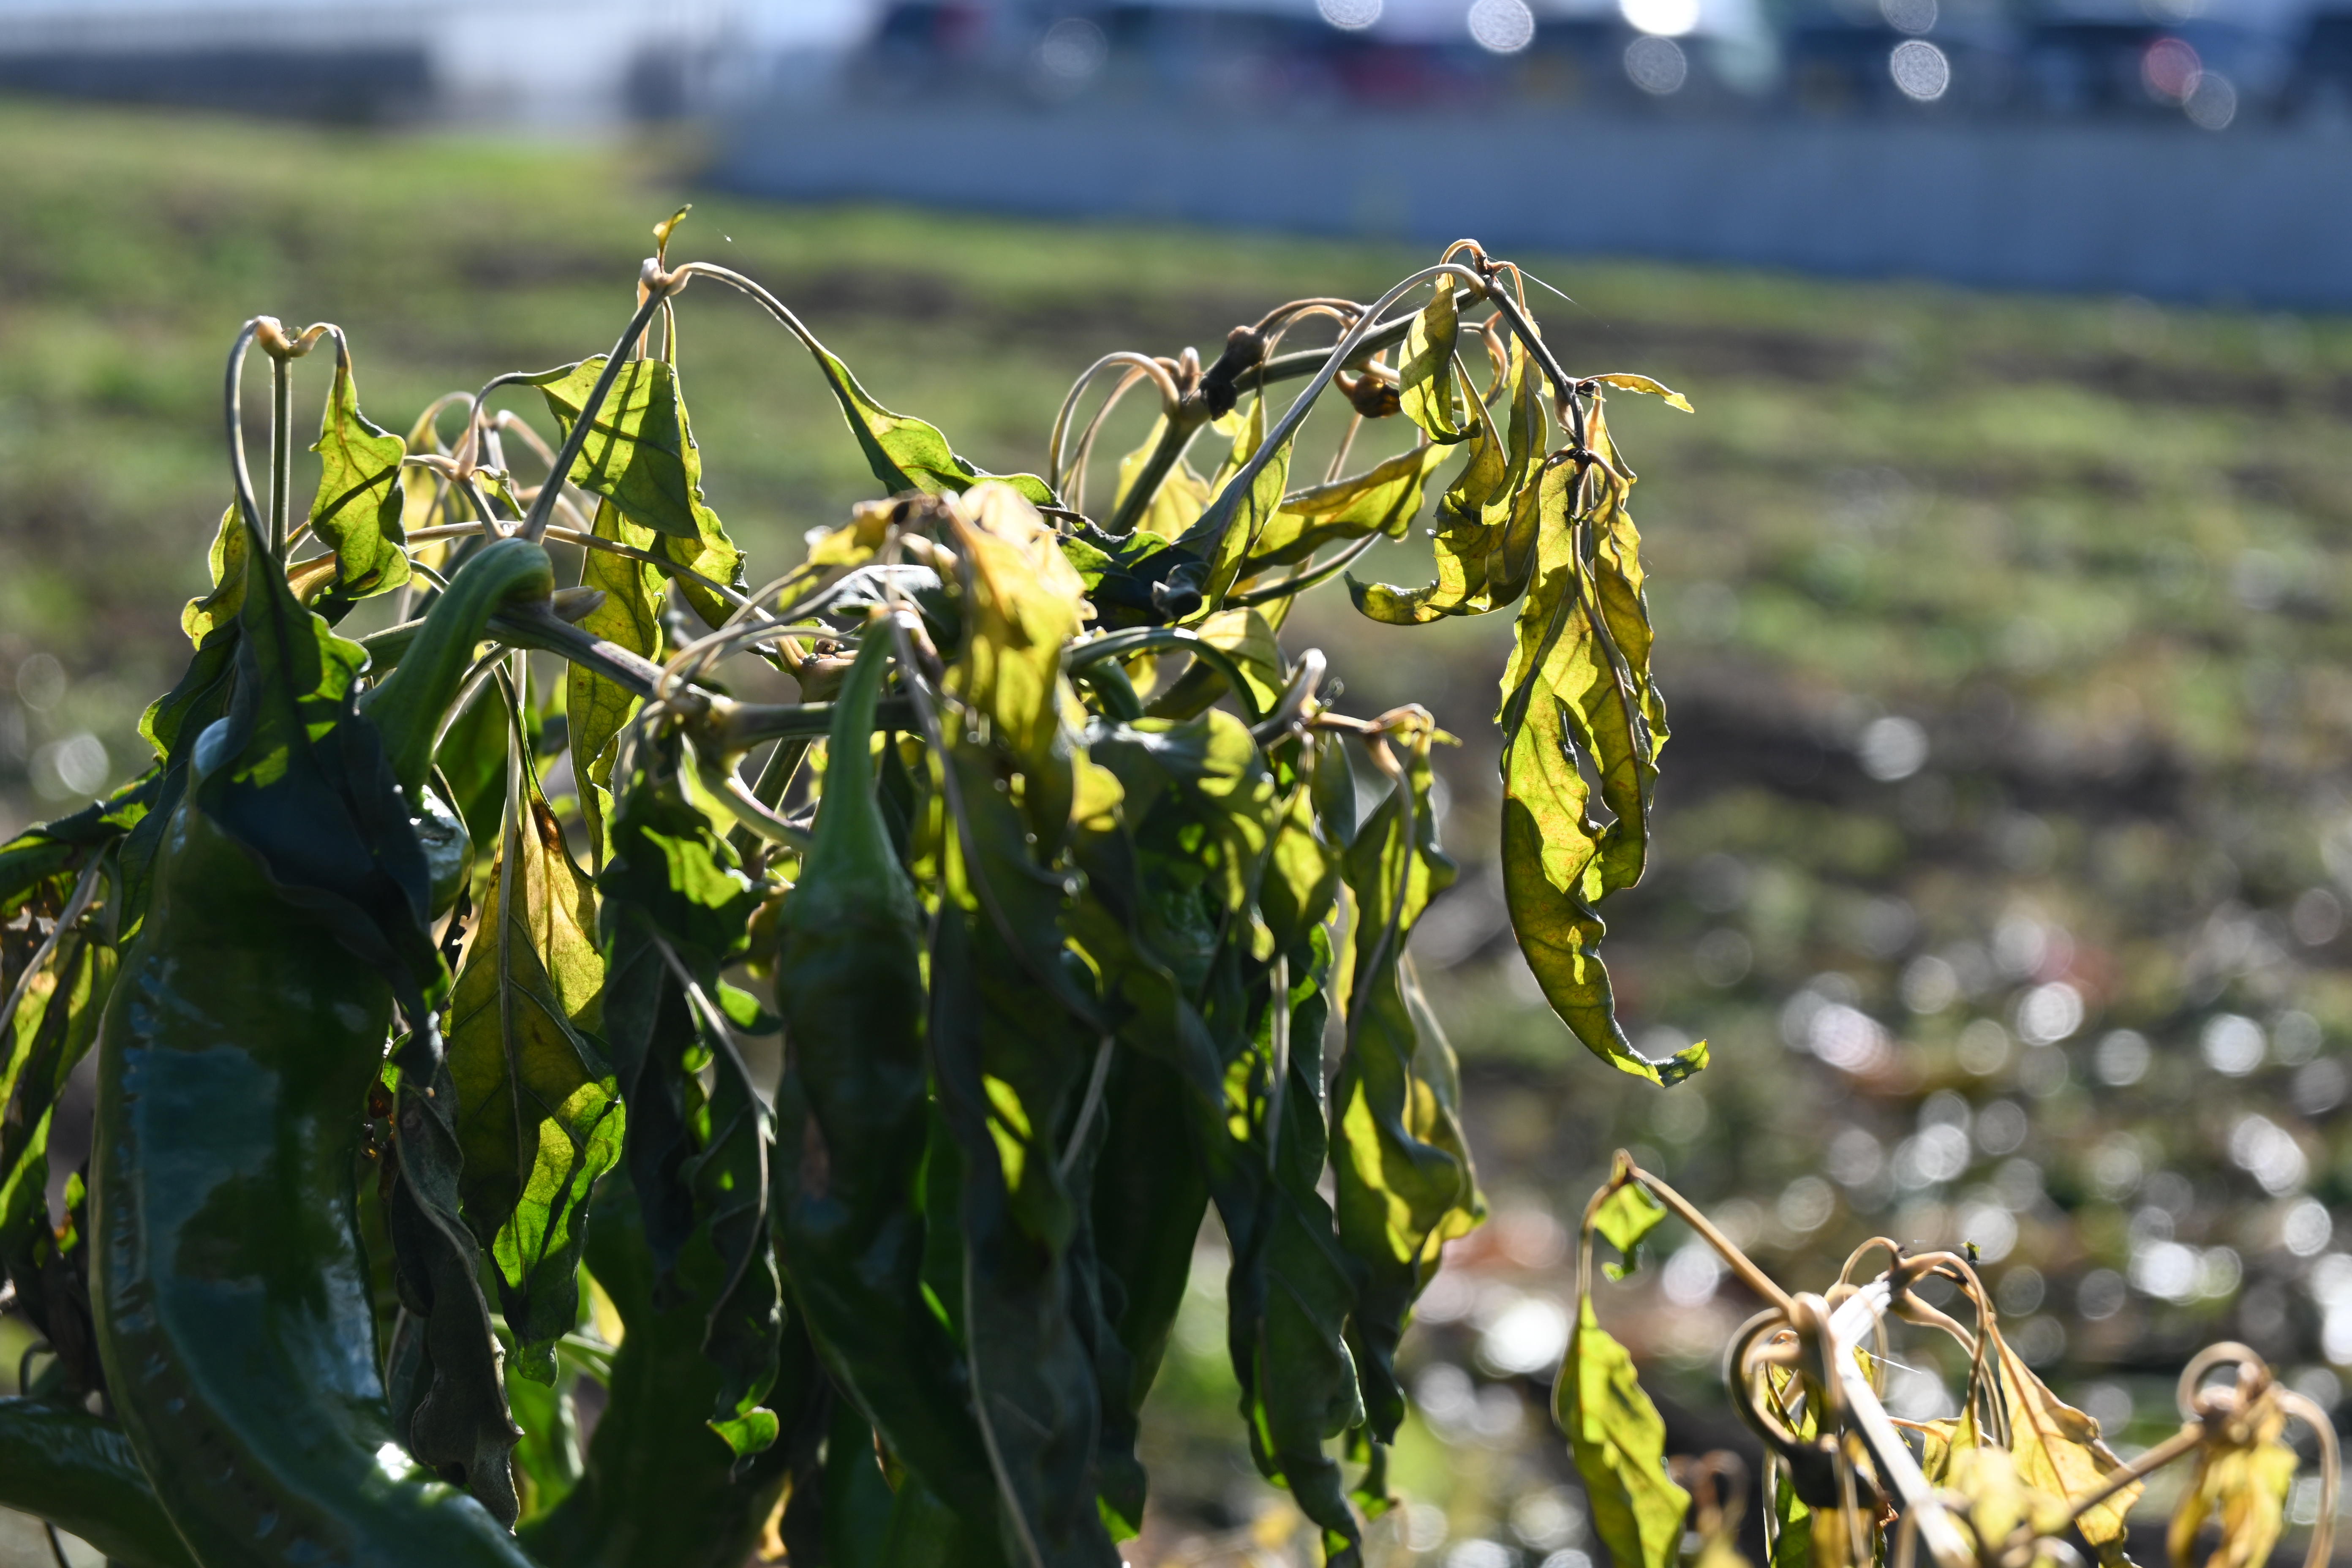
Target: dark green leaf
x=301, y=781
x=1009, y=1073
x=1401, y=1168
x=1292, y=1292
x=446, y=1387
x=853, y=1122
x=1147, y=1200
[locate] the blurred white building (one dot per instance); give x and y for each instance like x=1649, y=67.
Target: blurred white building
x=554, y=63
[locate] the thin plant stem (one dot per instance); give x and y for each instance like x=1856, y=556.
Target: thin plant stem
x=2184, y=1441
x=1175, y=436
x=281, y=451
x=659, y=286
x=1307, y=576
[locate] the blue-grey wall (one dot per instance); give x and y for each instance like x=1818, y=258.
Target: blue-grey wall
x=2253, y=215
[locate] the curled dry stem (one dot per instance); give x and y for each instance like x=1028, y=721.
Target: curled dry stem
x=1138, y=367
x=1218, y=518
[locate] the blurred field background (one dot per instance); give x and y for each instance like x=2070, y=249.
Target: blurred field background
x=2004, y=838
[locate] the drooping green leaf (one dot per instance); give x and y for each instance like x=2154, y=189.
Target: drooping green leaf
x=1488, y=521
x=905, y=453
x=55, y=994
x=42, y=862
x=729, y=1261
x=1385, y=499
x=539, y=1112
x=1224, y=533
x=1426, y=385
x=675, y=911
x=546, y=1461
x=1622, y=1220
x=1619, y=1445
x=205, y=613
x=357, y=512
x=1009, y=1072
x=301, y=782
x=1147, y=1197
x=640, y=455
x=658, y=1485
x=1569, y=687
x=1400, y=1165
x=443, y=1374
x=1292, y=1292
x=594, y=708
x=853, y=1119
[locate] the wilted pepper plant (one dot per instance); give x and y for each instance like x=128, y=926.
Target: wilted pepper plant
x=2012, y=1480
x=417, y=981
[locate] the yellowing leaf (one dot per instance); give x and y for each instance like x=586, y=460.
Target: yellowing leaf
x=357, y=512
x=1232, y=522
x=1178, y=501
x=2244, y=1469
x=1942, y=1441
x=1632, y=383
x=2057, y=1449
x=1383, y=499
x=204, y=614
x=1245, y=635
x=630, y=616
x=539, y=1112
x=1426, y=385
x=1619, y=1443
x=1488, y=521
x=2000, y=1500
x=641, y=455
x=1028, y=601
x=1576, y=682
